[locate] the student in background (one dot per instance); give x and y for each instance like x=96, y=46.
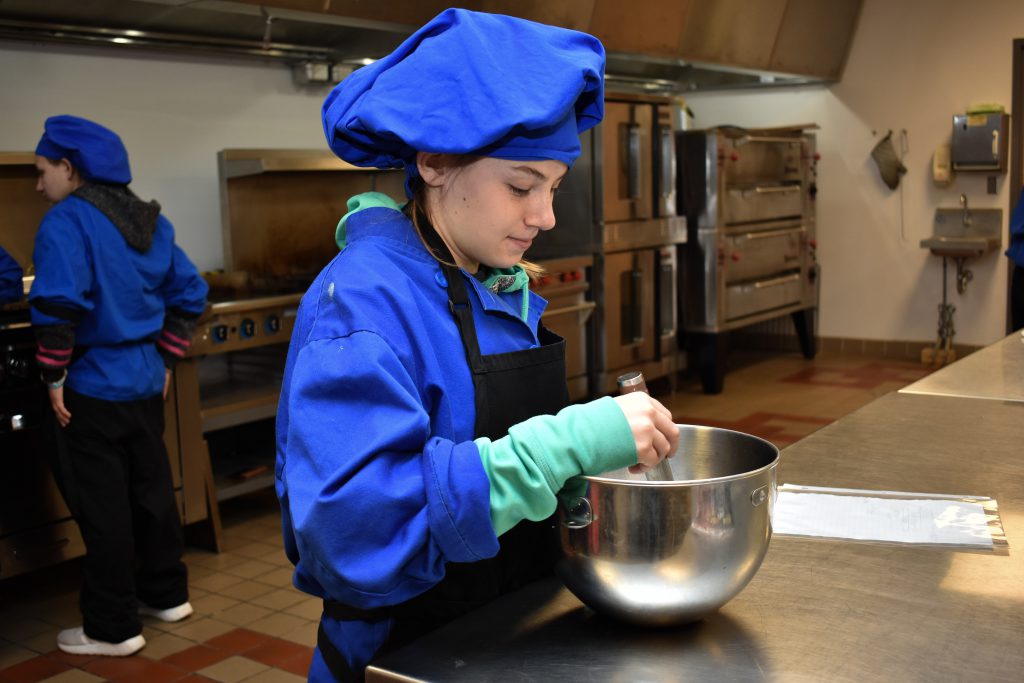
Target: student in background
x=113, y=306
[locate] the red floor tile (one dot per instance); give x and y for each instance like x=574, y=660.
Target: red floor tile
x=781, y=429
x=32, y=670
x=298, y=666
x=133, y=670
x=238, y=641
x=196, y=657
x=194, y=678
x=276, y=651
x=867, y=376
x=77, y=661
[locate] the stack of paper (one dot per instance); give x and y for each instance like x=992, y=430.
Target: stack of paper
x=887, y=516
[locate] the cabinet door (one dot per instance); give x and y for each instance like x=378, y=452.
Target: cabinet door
x=626, y=138
x=629, y=292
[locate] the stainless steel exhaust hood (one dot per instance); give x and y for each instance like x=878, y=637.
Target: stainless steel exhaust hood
x=203, y=26
x=717, y=38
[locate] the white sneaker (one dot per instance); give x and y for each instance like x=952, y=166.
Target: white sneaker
x=74, y=641
x=171, y=614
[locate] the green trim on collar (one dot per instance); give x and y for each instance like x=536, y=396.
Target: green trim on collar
x=512, y=279
x=366, y=200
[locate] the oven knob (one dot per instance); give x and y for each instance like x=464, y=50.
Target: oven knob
x=18, y=367
x=219, y=334
x=565, y=277
x=272, y=324
x=247, y=329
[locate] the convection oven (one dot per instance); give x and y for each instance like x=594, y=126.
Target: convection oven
x=642, y=233
x=749, y=196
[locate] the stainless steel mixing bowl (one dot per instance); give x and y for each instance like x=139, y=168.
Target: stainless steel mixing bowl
x=669, y=552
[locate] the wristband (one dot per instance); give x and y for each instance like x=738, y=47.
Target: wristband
x=55, y=385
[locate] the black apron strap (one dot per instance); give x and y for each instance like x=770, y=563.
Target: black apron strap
x=334, y=660
x=458, y=304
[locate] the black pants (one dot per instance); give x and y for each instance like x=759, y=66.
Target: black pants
x=1017, y=297
x=116, y=479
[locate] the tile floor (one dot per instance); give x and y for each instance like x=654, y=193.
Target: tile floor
x=251, y=625
x=249, y=622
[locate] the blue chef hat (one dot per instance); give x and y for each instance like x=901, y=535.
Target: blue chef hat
x=470, y=82
x=97, y=152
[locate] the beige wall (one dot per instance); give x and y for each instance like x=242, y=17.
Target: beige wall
x=174, y=114
x=913, y=64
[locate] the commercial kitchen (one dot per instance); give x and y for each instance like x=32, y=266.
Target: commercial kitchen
x=823, y=186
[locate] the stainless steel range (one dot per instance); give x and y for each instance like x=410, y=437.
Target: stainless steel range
x=749, y=198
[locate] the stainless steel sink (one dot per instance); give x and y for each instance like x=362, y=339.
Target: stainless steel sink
x=963, y=232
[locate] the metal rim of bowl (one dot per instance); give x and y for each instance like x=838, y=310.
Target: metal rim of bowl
x=691, y=482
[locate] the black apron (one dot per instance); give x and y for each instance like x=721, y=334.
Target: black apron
x=509, y=388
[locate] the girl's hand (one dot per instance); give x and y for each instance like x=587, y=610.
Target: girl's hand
x=57, y=403
x=654, y=431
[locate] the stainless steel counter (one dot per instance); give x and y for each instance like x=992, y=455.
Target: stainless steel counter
x=995, y=372
x=818, y=610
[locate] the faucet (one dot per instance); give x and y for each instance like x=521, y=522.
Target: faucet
x=967, y=214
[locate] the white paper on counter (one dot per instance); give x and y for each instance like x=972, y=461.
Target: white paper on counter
x=883, y=516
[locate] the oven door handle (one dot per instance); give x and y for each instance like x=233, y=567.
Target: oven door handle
x=584, y=310
x=668, y=161
x=765, y=234
x=764, y=138
x=636, y=305
x=666, y=299
x=775, y=189
x=777, y=281
x=633, y=160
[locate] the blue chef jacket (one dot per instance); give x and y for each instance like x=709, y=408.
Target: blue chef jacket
x=378, y=476
x=119, y=295
x=10, y=278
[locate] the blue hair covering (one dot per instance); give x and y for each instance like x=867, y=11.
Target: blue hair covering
x=471, y=82
x=97, y=152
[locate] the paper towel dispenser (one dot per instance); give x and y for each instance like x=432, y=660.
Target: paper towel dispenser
x=980, y=142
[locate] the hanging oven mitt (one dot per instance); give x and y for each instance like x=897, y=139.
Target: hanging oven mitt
x=888, y=162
